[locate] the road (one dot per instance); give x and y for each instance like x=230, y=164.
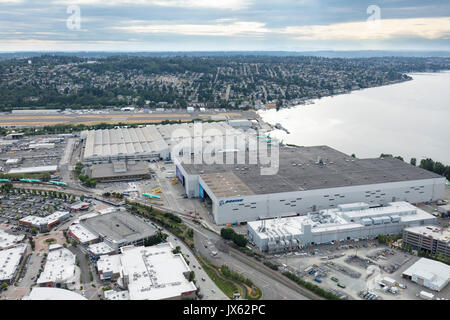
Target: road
x=84, y=264
x=272, y=289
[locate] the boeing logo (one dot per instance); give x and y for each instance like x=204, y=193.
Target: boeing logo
x=222, y=202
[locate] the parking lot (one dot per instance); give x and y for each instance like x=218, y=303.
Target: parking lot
x=22, y=203
x=39, y=155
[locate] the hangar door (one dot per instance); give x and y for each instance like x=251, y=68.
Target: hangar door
x=180, y=175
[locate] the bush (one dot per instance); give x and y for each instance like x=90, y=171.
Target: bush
x=230, y=234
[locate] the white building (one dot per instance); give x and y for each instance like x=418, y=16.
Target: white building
x=349, y=221
x=155, y=142
x=40, y=169
x=99, y=249
x=60, y=269
x=45, y=224
x=429, y=273
x=41, y=293
x=10, y=260
x=306, y=179
x=150, y=273
x=9, y=240
x=82, y=235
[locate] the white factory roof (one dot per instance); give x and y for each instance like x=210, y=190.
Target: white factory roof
x=59, y=268
x=42, y=293
x=12, y=161
x=42, y=145
x=109, y=264
x=150, y=139
x=436, y=273
x=400, y=208
x=155, y=273
x=83, y=234
x=8, y=240
x=10, y=261
x=334, y=220
x=86, y=216
x=433, y=232
x=123, y=141
x=34, y=169
x=100, y=248
x=116, y=295
x=39, y=221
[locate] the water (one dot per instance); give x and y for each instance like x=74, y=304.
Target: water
x=409, y=119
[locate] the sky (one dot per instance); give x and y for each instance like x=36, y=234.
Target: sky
x=223, y=25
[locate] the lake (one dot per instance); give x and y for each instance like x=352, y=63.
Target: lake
x=409, y=119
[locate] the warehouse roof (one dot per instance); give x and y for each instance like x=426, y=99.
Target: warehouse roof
x=39, y=221
x=82, y=234
x=8, y=240
x=155, y=273
x=42, y=293
x=124, y=141
x=119, y=227
x=332, y=220
x=305, y=168
x=10, y=260
x=59, y=268
x=118, y=169
x=100, y=248
x=34, y=169
x=435, y=272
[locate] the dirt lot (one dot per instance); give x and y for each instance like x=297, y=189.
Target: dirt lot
x=42, y=246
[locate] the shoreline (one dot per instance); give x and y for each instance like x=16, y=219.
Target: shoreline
x=313, y=100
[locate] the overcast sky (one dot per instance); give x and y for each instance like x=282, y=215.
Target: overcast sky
x=224, y=25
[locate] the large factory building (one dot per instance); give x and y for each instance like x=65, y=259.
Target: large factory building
x=309, y=179
x=346, y=222
x=156, y=142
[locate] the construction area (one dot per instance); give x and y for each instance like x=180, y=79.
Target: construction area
x=357, y=270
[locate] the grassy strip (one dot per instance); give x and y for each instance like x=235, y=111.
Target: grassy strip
x=227, y=287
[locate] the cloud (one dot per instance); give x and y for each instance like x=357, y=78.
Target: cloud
x=212, y=4
x=384, y=29
x=243, y=28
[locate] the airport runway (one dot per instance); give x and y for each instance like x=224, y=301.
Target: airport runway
x=36, y=120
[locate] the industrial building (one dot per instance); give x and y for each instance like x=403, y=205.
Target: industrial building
x=433, y=239
x=78, y=206
x=119, y=171
x=42, y=293
x=346, y=222
x=8, y=241
x=10, y=260
x=149, y=273
x=60, y=270
x=152, y=142
x=97, y=250
x=308, y=179
x=429, y=273
x=82, y=235
x=45, y=224
x=116, y=229
x=40, y=169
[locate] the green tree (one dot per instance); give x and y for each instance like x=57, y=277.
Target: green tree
x=413, y=161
